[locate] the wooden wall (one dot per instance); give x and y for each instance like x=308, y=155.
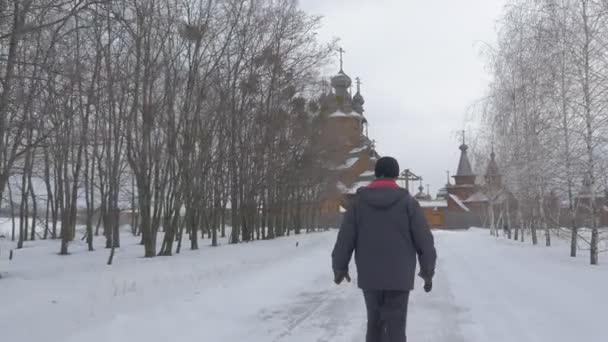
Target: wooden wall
x=435, y=217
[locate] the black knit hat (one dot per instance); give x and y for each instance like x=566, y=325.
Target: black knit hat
x=387, y=167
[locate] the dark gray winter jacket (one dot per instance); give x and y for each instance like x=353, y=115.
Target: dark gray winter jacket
x=386, y=229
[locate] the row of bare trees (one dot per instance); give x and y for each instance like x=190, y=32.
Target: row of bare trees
x=194, y=115
x=546, y=112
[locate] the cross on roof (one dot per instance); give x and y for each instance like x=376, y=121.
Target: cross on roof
x=358, y=81
x=341, y=51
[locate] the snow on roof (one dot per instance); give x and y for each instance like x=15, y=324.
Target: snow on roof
x=477, y=197
x=459, y=202
x=462, y=185
x=353, y=189
x=341, y=114
x=358, y=149
x=368, y=173
x=433, y=204
x=347, y=164
x=341, y=187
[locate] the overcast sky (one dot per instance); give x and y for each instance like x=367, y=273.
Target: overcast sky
x=421, y=66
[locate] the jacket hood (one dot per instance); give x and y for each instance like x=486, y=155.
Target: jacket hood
x=381, y=197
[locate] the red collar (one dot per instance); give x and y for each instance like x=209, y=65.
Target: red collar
x=383, y=183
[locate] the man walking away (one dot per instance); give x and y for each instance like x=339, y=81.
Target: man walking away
x=386, y=229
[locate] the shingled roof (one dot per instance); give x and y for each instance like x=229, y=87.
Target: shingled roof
x=464, y=165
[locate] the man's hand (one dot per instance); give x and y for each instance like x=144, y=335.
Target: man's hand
x=428, y=282
x=339, y=277
x=428, y=285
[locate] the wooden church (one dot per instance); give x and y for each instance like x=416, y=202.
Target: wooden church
x=467, y=202
x=351, y=153
x=352, y=157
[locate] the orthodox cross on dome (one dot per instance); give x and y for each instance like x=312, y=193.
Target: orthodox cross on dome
x=358, y=81
x=342, y=52
x=463, y=132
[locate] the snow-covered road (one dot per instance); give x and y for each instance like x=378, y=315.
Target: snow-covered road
x=271, y=291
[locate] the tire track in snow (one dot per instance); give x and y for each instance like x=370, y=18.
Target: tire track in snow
x=435, y=316
x=330, y=314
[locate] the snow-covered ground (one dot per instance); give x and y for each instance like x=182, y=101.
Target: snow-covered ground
x=270, y=291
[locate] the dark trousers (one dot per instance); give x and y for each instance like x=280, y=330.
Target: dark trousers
x=386, y=315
